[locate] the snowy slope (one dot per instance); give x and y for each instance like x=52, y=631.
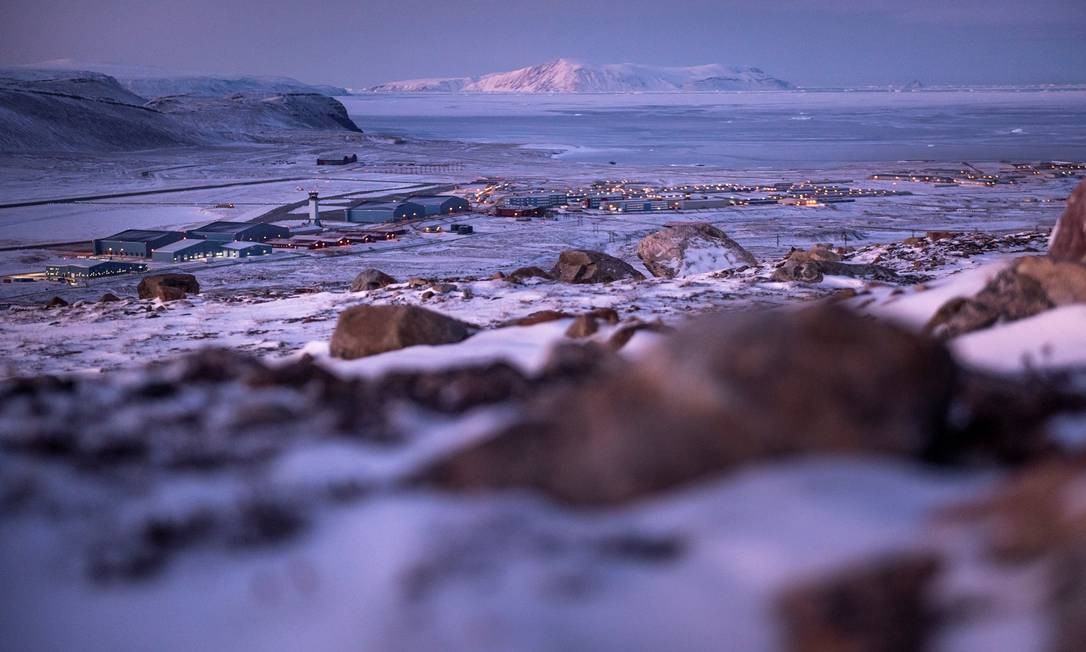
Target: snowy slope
x=245, y=115
x=70, y=111
x=572, y=76
x=81, y=111
x=149, y=82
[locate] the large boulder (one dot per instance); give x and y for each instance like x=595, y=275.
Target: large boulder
x=1030, y=286
x=691, y=248
x=812, y=265
x=1063, y=282
x=885, y=605
x=167, y=287
x=725, y=391
x=371, y=279
x=1068, y=240
x=368, y=330
x=584, y=266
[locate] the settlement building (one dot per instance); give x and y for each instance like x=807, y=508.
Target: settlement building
x=76, y=273
x=640, y=205
x=240, y=231
x=377, y=212
x=245, y=249
x=353, y=158
x=135, y=242
x=441, y=204
x=716, y=202
x=188, y=249
x=536, y=201
x=509, y=211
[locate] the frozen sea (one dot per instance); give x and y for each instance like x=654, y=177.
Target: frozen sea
x=748, y=130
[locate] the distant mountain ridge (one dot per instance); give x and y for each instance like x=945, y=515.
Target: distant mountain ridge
x=572, y=76
x=149, y=83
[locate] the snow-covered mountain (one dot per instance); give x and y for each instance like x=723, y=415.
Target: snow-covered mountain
x=571, y=76
x=150, y=82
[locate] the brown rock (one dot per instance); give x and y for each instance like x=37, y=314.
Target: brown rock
x=583, y=266
x=810, y=267
x=109, y=297
x=578, y=361
x=881, y=606
x=608, y=315
x=537, y=317
x=804, y=271
x=444, y=288
x=821, y=253
x=664, y=252
x=1063, y=282
x=368, y=330
x=844, y=294
x=1068, y=240
x=582, y=326
x=1036, y=517
x=371, y=279
x=56, y=302
x=935, y=236
x=1007, y=297
x=1067, y=596
x=167, y=287
x=458, y=389
x=1026, y=518
x=726, y=391
x=622, y=336
x=520, y=274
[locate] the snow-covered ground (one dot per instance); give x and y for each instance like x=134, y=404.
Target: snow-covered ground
x=114, y=551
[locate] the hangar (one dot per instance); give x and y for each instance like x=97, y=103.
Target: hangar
x=377, y=212
x=188, y=249
x=441, y=204
x=239, y=231
x=135, y=242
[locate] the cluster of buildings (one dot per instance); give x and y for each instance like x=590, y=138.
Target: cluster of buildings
x=215, y=240
x=970, y=175
x=633, y=197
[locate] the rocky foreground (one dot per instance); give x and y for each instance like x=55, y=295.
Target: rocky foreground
x=848, y=474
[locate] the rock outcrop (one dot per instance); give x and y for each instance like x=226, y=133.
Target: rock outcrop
x=167, y=287
x=584, y=266
x=881, y=606
x=691, y=248
x=812, y=265
x=521, y=274
x=1068, y=240
x=371, y=279
x=1030, y=286
x=368, y=330
x=723, y=392
x=582, y=326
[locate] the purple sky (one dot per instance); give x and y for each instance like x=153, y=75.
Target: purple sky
x=361, y=42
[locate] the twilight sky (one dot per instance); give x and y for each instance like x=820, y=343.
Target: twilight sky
x=362, y=42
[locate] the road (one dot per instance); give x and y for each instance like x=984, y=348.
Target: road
x=138, y=193
x=163, y=191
